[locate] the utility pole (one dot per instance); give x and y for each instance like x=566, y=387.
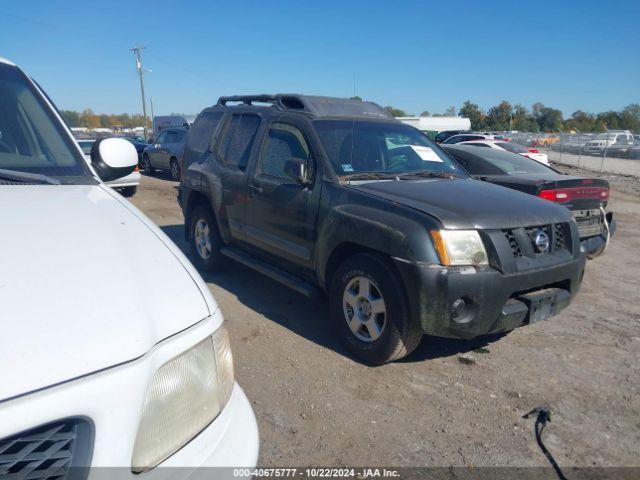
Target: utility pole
x=151, y=101
x=136, y=51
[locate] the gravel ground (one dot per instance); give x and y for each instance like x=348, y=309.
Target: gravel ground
x=451, y=403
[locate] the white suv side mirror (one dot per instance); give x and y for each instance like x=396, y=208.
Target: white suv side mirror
x=113, y=158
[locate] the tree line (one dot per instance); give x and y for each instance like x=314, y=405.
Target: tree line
x=502, y=117
x=539, y=118
x=88, y=119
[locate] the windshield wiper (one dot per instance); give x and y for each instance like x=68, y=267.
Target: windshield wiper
x=24, y=177
x=404, y=175
x=369, y=176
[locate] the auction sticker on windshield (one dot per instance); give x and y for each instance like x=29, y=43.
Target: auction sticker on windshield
x=426, y=153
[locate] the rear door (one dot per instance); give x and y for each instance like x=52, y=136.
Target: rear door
x=233, y=153
x=282, y=213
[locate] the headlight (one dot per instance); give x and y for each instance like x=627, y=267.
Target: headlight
x=185, y=395
x=459, y=247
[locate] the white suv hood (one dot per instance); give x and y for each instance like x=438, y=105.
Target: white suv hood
x=86, y=282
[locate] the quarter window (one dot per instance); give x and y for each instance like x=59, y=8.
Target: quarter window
x=202, y=131
x=282, y=143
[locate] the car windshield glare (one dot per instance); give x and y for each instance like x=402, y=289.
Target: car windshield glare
x=360, y=147
x=31, y=138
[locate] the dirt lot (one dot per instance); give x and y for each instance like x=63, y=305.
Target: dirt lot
x=317, y=406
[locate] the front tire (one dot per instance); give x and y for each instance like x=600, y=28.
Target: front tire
x=146, y=165
x=370, y=310
x=205, y=239
x=175, y=169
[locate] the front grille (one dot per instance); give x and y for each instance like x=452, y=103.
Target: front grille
x=522, y=241
x=58, y=450
x=513, y=243
x=559, y=237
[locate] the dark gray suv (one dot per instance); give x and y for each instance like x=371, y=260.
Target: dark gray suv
x=335, y=196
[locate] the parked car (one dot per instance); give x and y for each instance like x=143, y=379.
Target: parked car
x=597, y=145
x=465, y=137
x=334, y=195
x=532, y=153
x=165, y=153
x=162, y=122
x=444, y=135
x=586, y=198
x=96, y=374
x=127, y=185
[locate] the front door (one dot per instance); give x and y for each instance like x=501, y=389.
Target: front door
x=282, y=213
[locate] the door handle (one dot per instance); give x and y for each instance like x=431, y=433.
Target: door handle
x=255, y=189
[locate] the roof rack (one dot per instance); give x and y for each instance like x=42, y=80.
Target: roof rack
x=314, y=105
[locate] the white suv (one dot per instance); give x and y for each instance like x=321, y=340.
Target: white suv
x=93, y=372
x=604, y=140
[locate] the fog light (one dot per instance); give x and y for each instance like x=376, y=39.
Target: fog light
x=463, y=310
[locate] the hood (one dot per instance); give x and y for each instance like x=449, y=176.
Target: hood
x=469, y=204
x=86, y=283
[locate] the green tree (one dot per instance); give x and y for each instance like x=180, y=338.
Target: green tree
x=581, y=122
x=426, y=113
x=355, y=97
x=630, y=117
x=610, y=120
x=549, y=119
x=499, y=117
x=450, y=112
x=396, y=112
x=522, y=120
x=474, y=114
x=70, y=117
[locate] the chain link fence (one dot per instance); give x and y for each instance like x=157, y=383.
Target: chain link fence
x=613, y=152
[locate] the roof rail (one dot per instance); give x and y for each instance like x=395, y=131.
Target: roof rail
x=284, y=101
x=314, y=105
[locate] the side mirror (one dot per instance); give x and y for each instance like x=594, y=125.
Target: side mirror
x=113, y=158
x=296, y=169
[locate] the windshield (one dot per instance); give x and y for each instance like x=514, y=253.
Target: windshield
x=359, y=147
x=604, y=136
x=32, y=140
x=512, y=147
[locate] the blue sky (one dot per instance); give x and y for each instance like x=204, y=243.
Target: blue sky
x=415, y=55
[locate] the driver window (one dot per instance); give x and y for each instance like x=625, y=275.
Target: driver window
x=283, y=142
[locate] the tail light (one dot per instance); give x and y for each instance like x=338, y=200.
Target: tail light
x=534, y=150
x=136, y=168
x=562, y=195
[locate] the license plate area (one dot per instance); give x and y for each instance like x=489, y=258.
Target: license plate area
x=545, y=303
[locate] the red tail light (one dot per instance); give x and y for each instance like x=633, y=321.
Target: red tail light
x=136, y=168
x=534, y=150
x=562, y=195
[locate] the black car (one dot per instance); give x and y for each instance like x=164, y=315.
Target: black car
x=336, y=196
x=586, y=198
x=445, y=134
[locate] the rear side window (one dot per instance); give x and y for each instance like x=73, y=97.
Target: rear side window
x=282, y=143
x=201, y=133
x=240, y=134
x=512, y=147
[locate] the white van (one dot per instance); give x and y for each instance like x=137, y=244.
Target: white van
x=162, y=122
x=94, y=373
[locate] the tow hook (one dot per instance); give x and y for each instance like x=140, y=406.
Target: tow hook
x=607, y=237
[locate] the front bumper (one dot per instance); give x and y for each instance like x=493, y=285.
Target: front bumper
x=501, y=302
x=595, y=245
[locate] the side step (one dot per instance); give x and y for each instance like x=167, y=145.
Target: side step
x=277, y=274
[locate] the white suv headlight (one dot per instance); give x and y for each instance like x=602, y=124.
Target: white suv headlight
x=185, y=395
x=459, y=247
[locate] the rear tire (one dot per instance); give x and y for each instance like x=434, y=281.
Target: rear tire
x=174, y=168
x=205, y=239
x=146, y=165
x=370, y=310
